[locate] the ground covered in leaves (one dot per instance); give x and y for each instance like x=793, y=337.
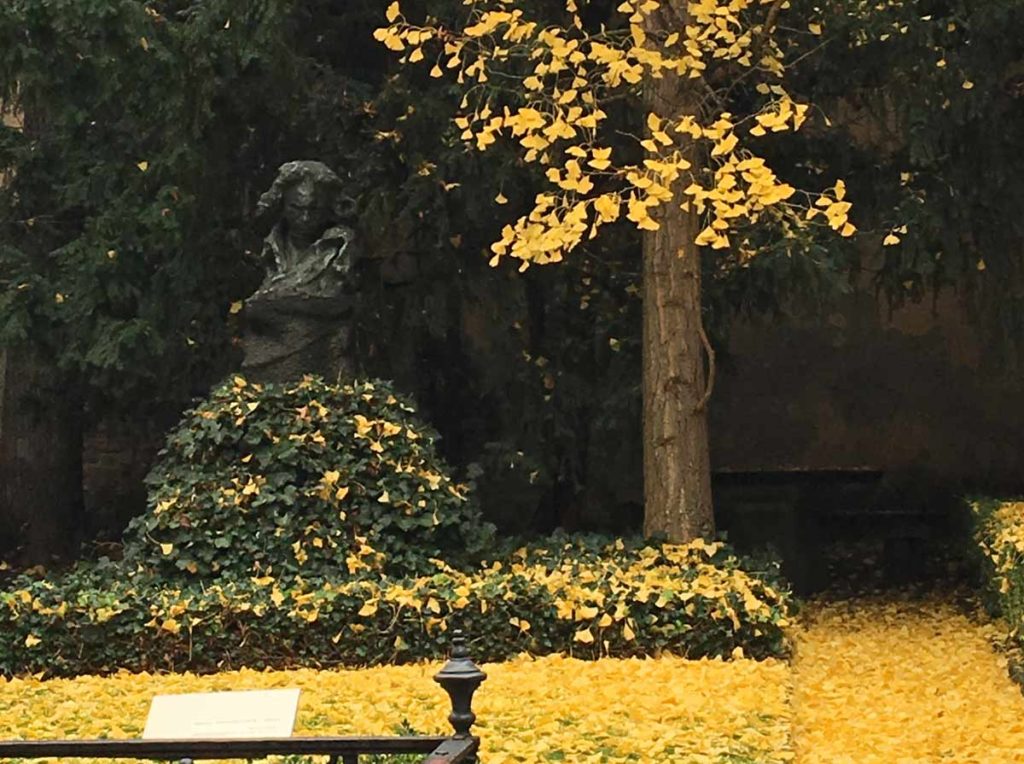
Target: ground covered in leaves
x=902, y=681
x=550, y=709
x=884, y=679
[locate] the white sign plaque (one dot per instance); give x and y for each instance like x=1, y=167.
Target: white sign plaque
x=240, y=715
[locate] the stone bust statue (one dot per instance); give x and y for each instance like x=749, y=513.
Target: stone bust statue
x=299, y=320
x=308, y=251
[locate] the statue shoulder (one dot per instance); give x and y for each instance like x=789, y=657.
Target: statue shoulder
x=340, y=233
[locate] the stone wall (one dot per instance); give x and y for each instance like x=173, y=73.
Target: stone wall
x=917, y=389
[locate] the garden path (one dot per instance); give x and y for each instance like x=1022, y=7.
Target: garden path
x=896, y=682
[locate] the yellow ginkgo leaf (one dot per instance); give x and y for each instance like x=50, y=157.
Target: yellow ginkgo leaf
x=171, y=625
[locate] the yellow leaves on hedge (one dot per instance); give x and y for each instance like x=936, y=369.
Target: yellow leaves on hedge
x=584, y=637
x=892, y=682
x=171, y=625
x=1004, y=530
x=554, y=709
x=558, y=121
x=1000, y=536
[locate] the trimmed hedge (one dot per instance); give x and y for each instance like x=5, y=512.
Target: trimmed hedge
x=999, y=533
x=578, y=598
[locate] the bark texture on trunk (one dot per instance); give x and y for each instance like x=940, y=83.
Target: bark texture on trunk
x=40, y=461
x=677, y=468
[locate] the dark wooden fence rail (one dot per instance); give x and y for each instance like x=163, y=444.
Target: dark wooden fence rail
x=460, y=678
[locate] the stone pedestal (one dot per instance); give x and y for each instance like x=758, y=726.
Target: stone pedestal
x=288, y=337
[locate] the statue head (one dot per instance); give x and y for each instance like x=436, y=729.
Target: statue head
x=306, y=198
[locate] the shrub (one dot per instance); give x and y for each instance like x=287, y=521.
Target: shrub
x=302, y=479
x=577, y=598
x=999, y=533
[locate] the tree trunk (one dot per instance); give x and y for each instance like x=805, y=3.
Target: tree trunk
x=41, y=501
x=677, y=465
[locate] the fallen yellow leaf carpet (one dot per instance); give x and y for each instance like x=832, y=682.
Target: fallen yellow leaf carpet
x=872, y=683
x=902, y=683
x=550, y=709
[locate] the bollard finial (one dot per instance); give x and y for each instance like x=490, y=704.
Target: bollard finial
x=460, y=678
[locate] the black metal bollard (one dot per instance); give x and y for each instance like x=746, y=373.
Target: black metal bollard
x=460, y=678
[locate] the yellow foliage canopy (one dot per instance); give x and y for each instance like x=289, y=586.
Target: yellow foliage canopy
x=702, y=161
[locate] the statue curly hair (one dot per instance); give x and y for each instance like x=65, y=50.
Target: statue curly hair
x=320, y=175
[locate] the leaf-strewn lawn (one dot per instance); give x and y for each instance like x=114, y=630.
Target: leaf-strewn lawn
x=551, y=709
x=884, y=682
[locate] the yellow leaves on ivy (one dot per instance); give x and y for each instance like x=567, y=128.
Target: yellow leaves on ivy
x=520, y=623
x=584, y=636
x=1001, y=538
x=171, y=625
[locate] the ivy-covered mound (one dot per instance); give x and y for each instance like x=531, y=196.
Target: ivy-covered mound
x=569, y=597
x=299, y=479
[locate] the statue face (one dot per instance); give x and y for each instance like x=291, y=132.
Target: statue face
x=306, y=211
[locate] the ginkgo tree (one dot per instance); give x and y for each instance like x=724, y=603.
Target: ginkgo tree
x=693, y=183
